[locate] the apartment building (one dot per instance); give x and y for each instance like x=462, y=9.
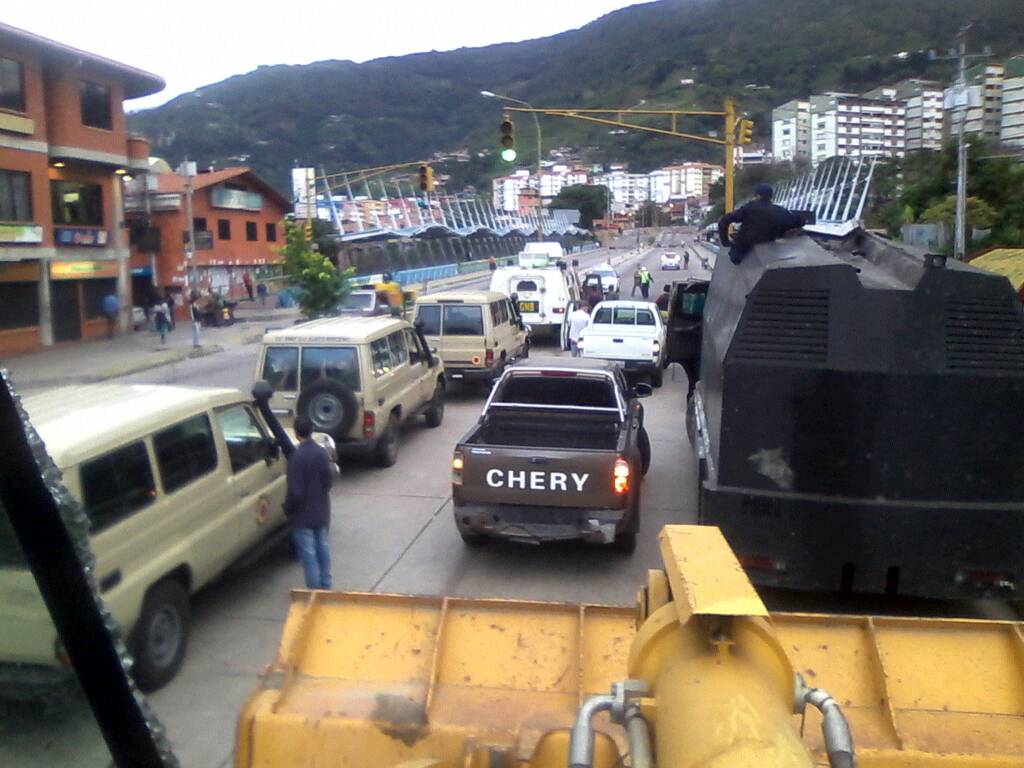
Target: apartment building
x=1011, y=129
x=849, y=125
x=984, y=112
x=791, y=131
x=923, y=102
x=64, y=152
x=627, y=190
x=505, y=190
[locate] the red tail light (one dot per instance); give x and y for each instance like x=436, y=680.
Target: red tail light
x=621, y=475
x=761, y=563
x=368, y=424
x=489, y=357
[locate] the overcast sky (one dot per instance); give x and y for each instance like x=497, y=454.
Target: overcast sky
x=192, y=43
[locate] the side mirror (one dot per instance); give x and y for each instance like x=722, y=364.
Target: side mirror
x=262, y=391
x=575, y=262
x=418, y=325
x=641, y=389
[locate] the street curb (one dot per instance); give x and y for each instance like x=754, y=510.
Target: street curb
x=167, y=358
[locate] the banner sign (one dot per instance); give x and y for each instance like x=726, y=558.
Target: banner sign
x=80, y=236
x=239, y=199
x=21, y=233
x=82, y=270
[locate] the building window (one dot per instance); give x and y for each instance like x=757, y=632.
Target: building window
x=75, y=203
x=15, y=196
x=95, y=101
x=12, y=85
x=251, y=231
x=199, y=223
x=223, y=229
x=271, y=232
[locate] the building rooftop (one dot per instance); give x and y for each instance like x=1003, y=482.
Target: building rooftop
x=137, y=82
x=175, y=182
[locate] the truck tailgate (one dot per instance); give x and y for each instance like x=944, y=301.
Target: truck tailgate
x=540, y=477
x=619, y=343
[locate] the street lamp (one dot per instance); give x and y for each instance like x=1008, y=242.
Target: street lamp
x=536, y=122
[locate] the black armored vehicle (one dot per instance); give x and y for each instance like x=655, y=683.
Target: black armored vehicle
x=859, y=419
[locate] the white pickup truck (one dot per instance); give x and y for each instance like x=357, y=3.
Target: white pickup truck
x=630, y=333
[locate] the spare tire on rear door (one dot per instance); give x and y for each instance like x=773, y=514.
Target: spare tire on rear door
x=330, y=405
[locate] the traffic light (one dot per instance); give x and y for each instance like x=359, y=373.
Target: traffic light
x=508, y=139
x=426, y=178
x=746, y=131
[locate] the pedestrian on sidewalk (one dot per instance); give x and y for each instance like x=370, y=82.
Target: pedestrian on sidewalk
x=261, y=291
x=171, y=304
x=160, y=313
x=491, y=263
x=247, y=282
x=636, y=281
x=111, y=307
x=307, y=505
x=197, y=318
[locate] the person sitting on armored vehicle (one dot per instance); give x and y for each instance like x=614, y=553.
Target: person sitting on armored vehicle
x=762, y=221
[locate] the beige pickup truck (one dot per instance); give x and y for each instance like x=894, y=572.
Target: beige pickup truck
x=558, y=453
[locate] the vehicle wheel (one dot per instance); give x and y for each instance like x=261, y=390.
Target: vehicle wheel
x=330, y=405
x=472, y=539
x=644, y=443
x=160, y=637
x=625, y=541
x=435, y=413
x=386, y=452
x=657, y=377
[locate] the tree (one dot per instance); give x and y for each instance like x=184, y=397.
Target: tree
x=589, y=199
x=980, y=215
x=314, y=278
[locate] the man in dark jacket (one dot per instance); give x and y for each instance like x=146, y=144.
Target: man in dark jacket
x=762, y=222
x=308, y=505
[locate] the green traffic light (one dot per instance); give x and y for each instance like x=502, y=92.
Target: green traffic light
x=508, y=155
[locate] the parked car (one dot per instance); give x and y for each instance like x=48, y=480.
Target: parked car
x=558, y=453
x=670, y=260
x=630, y=333
x=356, y=378
x=177, y=483
x=476, y=333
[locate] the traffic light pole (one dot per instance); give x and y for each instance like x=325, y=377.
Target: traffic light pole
x=728, y=142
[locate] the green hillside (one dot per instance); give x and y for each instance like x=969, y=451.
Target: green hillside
x=339, y=114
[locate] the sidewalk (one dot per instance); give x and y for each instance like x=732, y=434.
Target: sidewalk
x=86, y=362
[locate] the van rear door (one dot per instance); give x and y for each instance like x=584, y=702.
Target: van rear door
x=529, y=291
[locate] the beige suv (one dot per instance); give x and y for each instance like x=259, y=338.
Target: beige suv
x=476, y=333
x=177, y=483
x=356, y=378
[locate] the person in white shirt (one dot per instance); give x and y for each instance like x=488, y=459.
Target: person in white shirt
x=577, y=322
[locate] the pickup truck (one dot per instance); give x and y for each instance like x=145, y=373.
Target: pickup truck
x=558, y=453
x=630, y=333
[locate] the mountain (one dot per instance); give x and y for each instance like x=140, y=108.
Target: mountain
x=340, y=114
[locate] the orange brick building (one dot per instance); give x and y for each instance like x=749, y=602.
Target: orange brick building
x=236, y=218
x=64, y=152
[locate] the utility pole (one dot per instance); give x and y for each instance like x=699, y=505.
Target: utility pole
x=960, y=244
x=960, y=97
x=730, y=139
x=190, y=249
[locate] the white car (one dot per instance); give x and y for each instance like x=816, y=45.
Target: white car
x=670, y=260
x=630, y=333
x=609, y=277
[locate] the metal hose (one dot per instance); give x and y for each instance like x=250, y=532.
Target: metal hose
x=639, y=738
x=581, y=742
x=834, y=727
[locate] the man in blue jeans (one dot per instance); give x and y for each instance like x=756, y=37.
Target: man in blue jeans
x=308, y=505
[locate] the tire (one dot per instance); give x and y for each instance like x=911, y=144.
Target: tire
x=625, y=541
x=330, y=405
x=657, y=377
x=385, y=453
x=435, y=413
x=644, y=444
x=472, y=539
x=160, y=637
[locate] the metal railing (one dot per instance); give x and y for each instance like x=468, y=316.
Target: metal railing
x=835, y=192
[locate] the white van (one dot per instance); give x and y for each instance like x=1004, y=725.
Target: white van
x=177, y=484
x=546, y=296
